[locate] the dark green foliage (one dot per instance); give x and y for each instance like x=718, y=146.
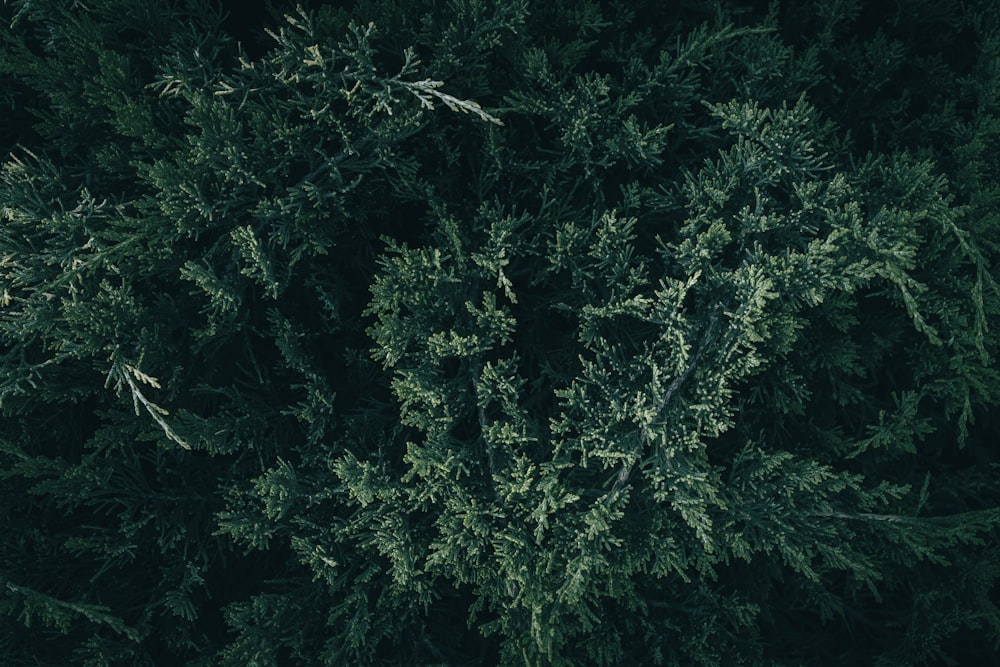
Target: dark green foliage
x=568, y=333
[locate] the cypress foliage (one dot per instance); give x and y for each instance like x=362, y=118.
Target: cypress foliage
x=568, y=333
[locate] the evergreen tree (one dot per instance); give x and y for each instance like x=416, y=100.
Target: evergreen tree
x=569, y=333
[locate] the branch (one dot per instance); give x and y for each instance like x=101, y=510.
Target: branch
x=125, y=372
x=706, y=339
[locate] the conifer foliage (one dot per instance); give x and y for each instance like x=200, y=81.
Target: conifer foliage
x=499, y=333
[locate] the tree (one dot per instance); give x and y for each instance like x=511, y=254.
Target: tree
x=499, y=333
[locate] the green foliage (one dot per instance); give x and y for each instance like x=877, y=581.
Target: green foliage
x=499, y=333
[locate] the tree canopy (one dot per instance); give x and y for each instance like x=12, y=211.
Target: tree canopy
x=500, y=333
